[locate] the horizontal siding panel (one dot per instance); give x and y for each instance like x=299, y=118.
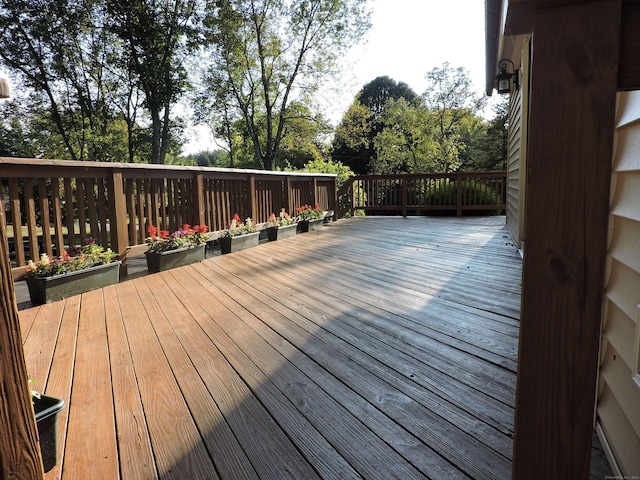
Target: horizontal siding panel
x=624, y=442
x=626, y=199
x=624, y=288
x=616, y=374
x=628, y=108
x=620, y=332
x=627, y=157
x=625, y=242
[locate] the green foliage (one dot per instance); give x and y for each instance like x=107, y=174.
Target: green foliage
x=154, y=36
x=327, y=166
x=209, y=158
x=238, y=227
x=439, y=132
x=76, y=259
x=405, y=143
x=266, y=53
x=473, y=193
x=354, y=139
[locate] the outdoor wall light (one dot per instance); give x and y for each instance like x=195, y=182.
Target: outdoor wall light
x=5, y=88
x=504, y=77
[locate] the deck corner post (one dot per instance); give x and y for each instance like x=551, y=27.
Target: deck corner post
x=569, y=161
x=21, y=457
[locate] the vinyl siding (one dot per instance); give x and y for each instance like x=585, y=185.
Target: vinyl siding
x=516, y=152
x=618, y=408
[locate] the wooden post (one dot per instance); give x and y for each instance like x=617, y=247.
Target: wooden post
x=289, y=196
x=253, y=198
x=458, y=194
x=19, y=451
x=315, y=192
x=118, y=221
x=334, y=198
x=198, y=199
x=571, y=126
x=404, y=196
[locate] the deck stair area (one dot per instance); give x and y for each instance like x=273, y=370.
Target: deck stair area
x=378, y=347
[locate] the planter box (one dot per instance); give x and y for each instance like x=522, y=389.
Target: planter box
x=281, y=232
x=57, y=287
x=239, y=242
x=311, y=225
x=159, y=262
x=46, y=410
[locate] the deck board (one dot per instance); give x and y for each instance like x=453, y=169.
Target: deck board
x=378, y=347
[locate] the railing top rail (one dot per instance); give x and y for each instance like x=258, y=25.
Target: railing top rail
x=32, y=162
x=430, y=175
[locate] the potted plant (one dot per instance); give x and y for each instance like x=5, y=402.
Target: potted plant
x=310, y=218
x=281, y=226
x=78, y=270
x=238, y=235
x=171, y=250
x=46, y=410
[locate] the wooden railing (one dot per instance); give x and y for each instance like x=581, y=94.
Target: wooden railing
x=51, y=203
x=417, y=194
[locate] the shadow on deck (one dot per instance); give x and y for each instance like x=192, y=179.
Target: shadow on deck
x=380, y=347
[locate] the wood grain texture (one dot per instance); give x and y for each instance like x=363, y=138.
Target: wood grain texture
x=340, y=354
x=573, y=87
x=19, y=452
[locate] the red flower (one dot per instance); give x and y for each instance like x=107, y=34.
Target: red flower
x=152, y=231
x=164, y=233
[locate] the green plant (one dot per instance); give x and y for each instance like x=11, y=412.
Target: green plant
x=76, y=258
x=282, y=220
x=34, y=393
x=187, y=236
x=305, y=212
x=238, y=227
x=472, y=193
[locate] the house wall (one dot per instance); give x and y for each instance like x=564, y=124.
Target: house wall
x=618, y=407
x=516, y=151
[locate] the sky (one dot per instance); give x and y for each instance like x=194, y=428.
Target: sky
x=407, y=39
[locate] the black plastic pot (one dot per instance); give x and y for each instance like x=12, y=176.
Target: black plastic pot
x=46, y=410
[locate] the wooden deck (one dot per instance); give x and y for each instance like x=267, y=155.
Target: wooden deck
x=379, y=348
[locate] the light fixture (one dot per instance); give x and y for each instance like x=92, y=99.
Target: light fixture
x=504, y=77
x=5, y=88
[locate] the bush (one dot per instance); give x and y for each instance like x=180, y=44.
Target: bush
x=473, y=193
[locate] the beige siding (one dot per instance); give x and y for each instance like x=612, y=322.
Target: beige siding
x=618, y=409
x=516, y=153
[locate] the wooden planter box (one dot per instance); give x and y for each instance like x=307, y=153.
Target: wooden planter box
x=57, y=287
x=311, y=225
x=281, y=232
x=46, y=410
x=239, y=242
x=161, y=261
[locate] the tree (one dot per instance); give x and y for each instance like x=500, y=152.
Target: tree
x=60, y=55
x=156, y=35
x=406, y=143
x=489, y=150
x=267, y=53
x=375, y=94
x=451, y=101
x=354, y=140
